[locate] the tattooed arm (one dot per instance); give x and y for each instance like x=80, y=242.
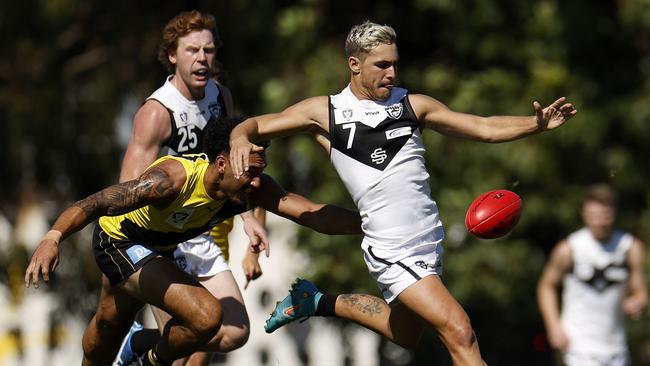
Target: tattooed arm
x=158, y=185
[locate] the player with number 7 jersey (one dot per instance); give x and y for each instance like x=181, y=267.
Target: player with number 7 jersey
x=373, y=131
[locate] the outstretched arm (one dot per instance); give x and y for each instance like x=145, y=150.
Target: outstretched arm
x=324, y=218
x=435, y=115
x=547, y=294
x=636, y=302
x=308, y=116
x=156, y=185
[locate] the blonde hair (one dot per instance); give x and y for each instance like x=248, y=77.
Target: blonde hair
x=366, y=36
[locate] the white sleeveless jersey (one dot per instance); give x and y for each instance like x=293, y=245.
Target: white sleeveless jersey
x=189, y=118
x=377, y=150
x=593, y=292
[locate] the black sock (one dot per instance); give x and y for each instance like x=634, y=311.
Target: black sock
x=326, y=305
x=151, y=358
x=144, y=340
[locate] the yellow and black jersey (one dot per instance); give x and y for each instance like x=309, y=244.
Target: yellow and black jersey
x=190, y=214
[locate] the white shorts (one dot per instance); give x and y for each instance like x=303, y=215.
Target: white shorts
x=395, y=270
x=200, y=257
x=573, y=358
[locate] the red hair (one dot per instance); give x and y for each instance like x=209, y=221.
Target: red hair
x=182, y=25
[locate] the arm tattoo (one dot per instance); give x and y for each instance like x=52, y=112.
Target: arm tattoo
x=366, y=304
x=154, y=185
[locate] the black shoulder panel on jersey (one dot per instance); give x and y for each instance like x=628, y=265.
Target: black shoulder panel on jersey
x=375, y=147
x=330, y=108
x=222, y=102
x=410, y=111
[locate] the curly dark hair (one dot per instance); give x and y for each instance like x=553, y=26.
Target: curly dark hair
x=216, y=139
x=217, y=136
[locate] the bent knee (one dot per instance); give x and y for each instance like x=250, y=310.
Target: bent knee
x=233, y=339
x=207, y=322
x=101, y=338
x=460, y=334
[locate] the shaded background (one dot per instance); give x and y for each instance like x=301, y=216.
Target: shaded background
x=72, y=73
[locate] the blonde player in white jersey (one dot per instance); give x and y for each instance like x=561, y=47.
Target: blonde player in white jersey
x=373, y=133
x=600, y=271
x=175, y=116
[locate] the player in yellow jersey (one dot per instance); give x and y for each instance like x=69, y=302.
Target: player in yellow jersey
x=140, y=223
x=173, y=120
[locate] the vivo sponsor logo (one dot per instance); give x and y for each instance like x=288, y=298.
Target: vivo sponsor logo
x=372, y=113
x=137, y=252
x=398, y=132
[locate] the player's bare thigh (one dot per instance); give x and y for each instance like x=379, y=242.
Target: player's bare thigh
x=235, y=325
x=162, y=284
x=430, y=299
x=224, y=287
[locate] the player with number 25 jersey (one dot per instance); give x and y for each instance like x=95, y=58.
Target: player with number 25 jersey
x=189, y=117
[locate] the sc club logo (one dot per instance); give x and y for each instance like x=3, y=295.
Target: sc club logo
x=378, y=156
x=215, y=110
x=394, y=111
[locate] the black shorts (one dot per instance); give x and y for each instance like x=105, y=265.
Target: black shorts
x=119, y=259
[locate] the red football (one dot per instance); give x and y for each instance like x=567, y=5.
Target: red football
x=493, y=214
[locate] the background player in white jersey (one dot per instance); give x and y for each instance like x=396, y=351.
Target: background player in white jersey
x=601, y=272
x=372, y=131
x=175, y=116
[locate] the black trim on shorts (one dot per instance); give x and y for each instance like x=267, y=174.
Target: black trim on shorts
x=409, y=270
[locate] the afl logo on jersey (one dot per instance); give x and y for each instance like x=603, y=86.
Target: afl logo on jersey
x=347, y=114
x=180, y=217
x=394, y=111
x=183, y=116
x=215, y=110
